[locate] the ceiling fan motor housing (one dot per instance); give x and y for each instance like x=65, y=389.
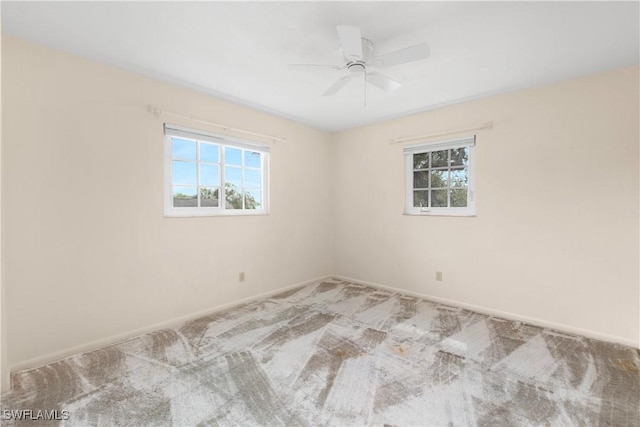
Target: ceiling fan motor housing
x=356, y=67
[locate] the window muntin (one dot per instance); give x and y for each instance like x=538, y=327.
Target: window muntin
x=213, y=175
x=439, y=178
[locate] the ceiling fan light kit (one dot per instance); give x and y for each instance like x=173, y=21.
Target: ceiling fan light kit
x=359, y=58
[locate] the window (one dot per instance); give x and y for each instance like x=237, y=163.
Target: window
x=206, y=174
x=439, y=178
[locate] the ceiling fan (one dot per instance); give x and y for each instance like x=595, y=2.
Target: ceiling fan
x=359, y=58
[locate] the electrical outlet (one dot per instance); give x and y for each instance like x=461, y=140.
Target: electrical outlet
x=241, y=276
x=439, y=276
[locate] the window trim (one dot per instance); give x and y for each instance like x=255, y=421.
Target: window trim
x=222, y=140
x=425, y=147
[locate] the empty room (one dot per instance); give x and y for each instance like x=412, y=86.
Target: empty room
x=320, y=213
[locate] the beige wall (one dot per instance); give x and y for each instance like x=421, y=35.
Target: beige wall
x=555, y=238
x=89, y=254
x=4, y=371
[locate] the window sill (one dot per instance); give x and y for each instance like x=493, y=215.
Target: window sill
x=225, y=213
x=441, y=213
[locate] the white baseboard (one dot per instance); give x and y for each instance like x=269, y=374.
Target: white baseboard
x=503, y=314
x=103, y=342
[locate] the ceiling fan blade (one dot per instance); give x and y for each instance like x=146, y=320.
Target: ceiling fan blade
x=314, y=67
x=383, y=82
x=402, y=56
x=337, y=86
x=351, y=41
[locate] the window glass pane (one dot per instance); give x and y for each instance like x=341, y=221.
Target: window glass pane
x=252, y=199
x=233, y=197
x=459, y=156
x=439, y=178
x=183, y=148
x=459, y=198
x=458, y=178
x=421, y=161
x=233, y=176
x=252, y=159
x=439, y=158
x=252, y=178
x=439, y=198
x=420, y=199
x=185, y=197
x=184, y=173
x=209, y=153
x=232, y=156
x=209, y=175
x=439, y=181
x=201, y=168
x=209, y=197
x=421, y=179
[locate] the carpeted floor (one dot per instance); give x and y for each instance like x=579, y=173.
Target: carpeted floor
x=338, y=353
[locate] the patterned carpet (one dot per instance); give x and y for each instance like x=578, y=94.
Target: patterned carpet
x=338, y=353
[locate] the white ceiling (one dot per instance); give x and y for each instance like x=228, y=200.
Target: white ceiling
x=240, y=50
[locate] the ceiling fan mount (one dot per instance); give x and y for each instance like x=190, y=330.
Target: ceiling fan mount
x=367, y=53
x=359, y=56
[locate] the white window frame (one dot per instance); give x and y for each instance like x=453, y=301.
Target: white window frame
x=223, y=141
x=410, y=150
